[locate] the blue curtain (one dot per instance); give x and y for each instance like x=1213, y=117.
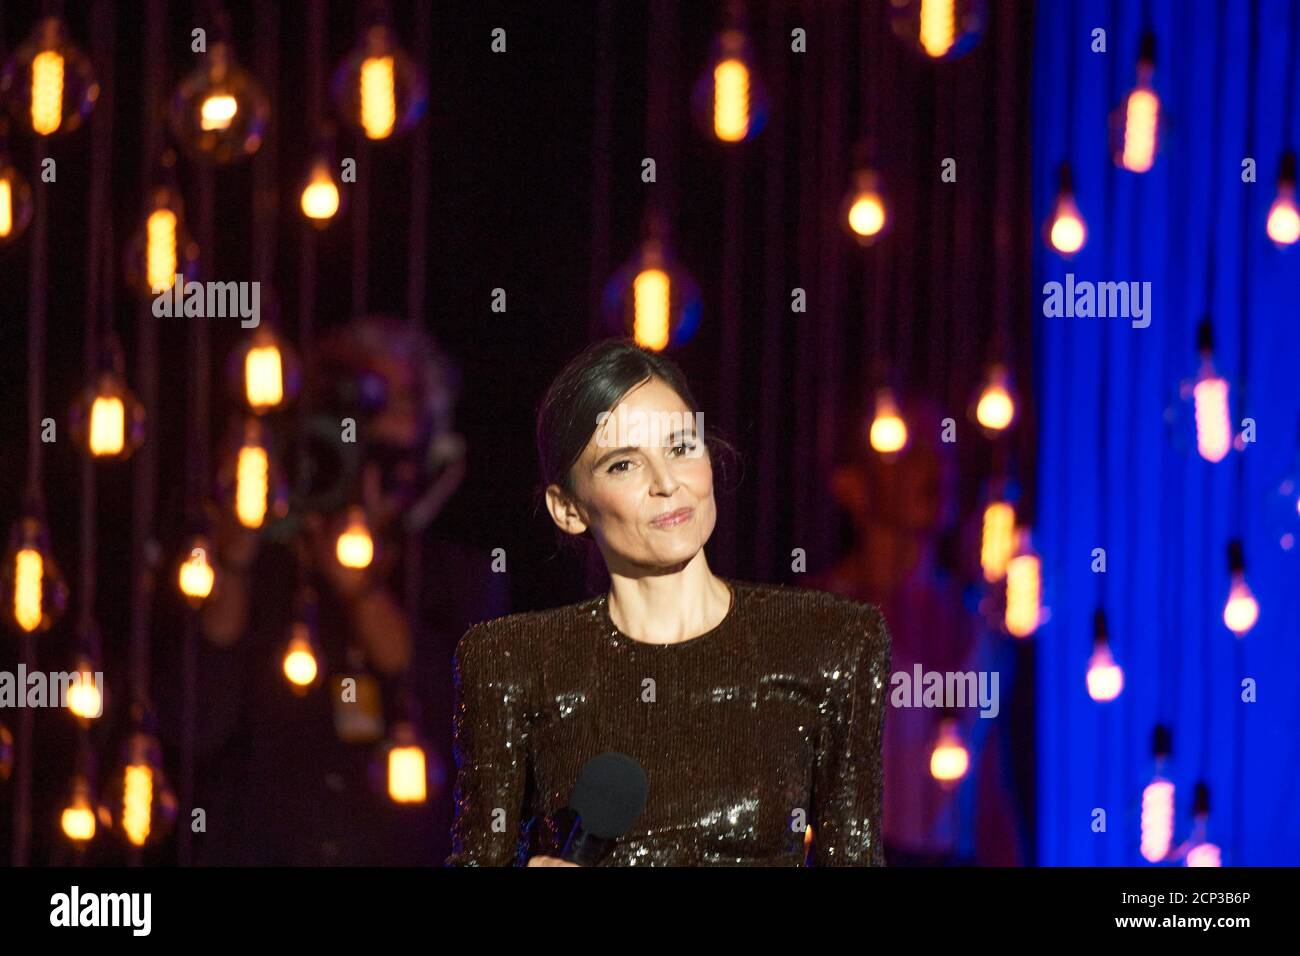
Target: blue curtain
x=1115, y=469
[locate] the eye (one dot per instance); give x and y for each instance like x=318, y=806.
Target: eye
x=614, y=469
x=687, y=446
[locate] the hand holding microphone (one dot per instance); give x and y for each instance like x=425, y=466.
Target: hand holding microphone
x=609, y=797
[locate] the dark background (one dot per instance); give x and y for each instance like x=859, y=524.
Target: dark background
x=534, y=187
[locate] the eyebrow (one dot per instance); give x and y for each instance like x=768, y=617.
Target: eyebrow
x=627, y=448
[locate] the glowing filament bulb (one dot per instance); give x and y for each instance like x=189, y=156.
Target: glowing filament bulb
x=888, y=430
x=218, y=111
x=938, y=26
x=406, y=774
x=1157, y=819
x=998, y=540
x=264, y=377
x=137, y=803
x=1283, y=219
x=47, y=92
x=1242, y=610
x=300, y=665
x=107, y=426
x=378, y=97
x=6, y=207
x=197, y=575
x=1024, y=595
x=1140, y=115
x=651, y=308
x=78, y=820
x=731, y=100
x=320, y=197
x=160, y=250
x=252, y=483
x=1204, y=854
x=867, y=215
x=84, y=698
x=949, y=759
x=995, y=409
x=355, y=547
x=29, y=574
x=1068, y=232
x=1105, y=677
x=1213, y=427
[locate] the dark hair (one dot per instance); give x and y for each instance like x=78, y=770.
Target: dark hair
x=595, y=381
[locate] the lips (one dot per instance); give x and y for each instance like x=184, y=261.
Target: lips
x=673, y=518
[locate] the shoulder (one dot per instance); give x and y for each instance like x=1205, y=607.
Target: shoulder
x=824, y=610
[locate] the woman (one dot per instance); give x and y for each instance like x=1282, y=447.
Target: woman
x=755, y=710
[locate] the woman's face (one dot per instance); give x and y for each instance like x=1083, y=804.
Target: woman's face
x=644, y=463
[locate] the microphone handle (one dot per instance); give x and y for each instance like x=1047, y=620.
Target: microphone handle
x=583, y=848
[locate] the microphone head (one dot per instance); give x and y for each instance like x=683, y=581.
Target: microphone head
x=610, y=794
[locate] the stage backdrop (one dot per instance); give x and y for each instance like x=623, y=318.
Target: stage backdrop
x=1115, y=470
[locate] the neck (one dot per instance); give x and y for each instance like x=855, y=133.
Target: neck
x=667, y=607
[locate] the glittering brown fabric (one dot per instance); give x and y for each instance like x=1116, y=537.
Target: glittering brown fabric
x=768, y=722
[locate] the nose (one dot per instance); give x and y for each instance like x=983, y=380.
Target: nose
x=662, y=481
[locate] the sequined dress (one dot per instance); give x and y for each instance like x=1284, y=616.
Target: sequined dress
x=749, y=733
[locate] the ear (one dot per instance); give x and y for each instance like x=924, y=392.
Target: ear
x=564, y=512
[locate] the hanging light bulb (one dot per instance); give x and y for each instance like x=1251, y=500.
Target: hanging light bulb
x=729, y=102
x=888, y=432
x=107, y=421
x=1024, y=589
x=1158, y=802
x=379, y=90
x=85, y=695
x=1242, y=610
x=78, y=817
x=141, y=802
x=407, y=771
x=162, y=248
x=995, y=409
x=49, y=83
x=301, y=663
x=863, y=210
x=264, y=371
x=1136, y=122
x=1283, y=219
x=1065, y=230
x=320, y=198
x=1105, y=677
x=355, y=548
x=949, y=760
x=32, y=591
x=250, y=481
x=1210, y=394
x=15, y=200
x=219, y=112
x=998, y=539
x=941, y=29
x=197, y=575
x=652, y=298
x=1200, y=851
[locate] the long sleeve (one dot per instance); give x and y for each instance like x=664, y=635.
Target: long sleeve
x=848, y=775
x=490, y=727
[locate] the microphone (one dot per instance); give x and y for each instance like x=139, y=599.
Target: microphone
x=609, y=796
